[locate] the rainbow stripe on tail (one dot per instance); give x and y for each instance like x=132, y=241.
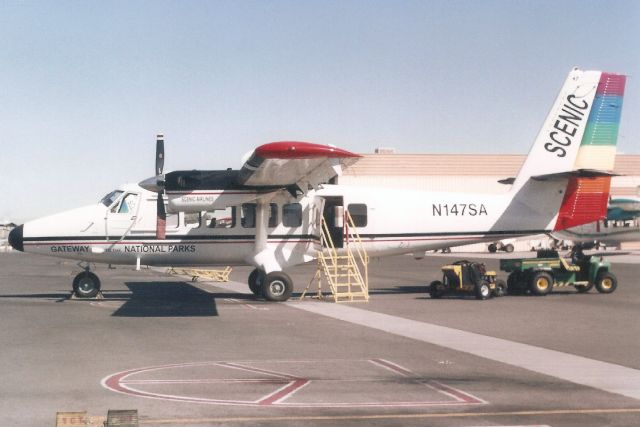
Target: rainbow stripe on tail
x=586, y=197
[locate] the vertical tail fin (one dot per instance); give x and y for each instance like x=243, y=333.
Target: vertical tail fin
x=577, y=144
x=556, y=147
x=586, y=198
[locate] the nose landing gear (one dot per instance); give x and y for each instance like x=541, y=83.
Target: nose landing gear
x=86, y=284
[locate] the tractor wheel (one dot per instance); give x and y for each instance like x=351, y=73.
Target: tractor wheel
x=606, y=282
x=501, y=288
x=541, y=283
x=436, y=289
x=483, y=291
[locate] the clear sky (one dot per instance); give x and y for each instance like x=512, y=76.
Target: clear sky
x=86, y=85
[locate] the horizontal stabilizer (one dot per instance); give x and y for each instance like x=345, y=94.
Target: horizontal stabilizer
x=580, y=173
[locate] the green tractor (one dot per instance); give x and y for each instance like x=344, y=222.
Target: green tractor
x=466, y=277
x=548, y=270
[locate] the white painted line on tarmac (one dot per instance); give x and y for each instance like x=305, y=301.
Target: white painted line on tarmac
x=577, y=369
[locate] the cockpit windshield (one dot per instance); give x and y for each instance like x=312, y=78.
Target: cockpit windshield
x=111, y=197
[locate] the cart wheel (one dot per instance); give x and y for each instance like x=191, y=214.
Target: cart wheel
x=541, y=283
x=436, y=289
x=483, y=291
x=501, y=288
x=606, y=282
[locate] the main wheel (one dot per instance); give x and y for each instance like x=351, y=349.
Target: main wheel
x=483, y=291
x=277, y=286
x=86, y=285
x=256, y=279
x=436, y=289
x=606, y=282
x=508, y=248
x=492, y=248
x=541, y=283
x=501, y=288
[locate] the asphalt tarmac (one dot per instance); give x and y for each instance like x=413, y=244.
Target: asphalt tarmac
x=203, y=353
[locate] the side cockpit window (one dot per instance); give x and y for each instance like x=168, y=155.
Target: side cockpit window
x=128, y=204
x=110, y=198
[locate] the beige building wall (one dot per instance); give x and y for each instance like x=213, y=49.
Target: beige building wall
x=465, y=172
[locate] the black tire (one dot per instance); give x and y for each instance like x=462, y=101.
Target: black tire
x=582, y=289
x=492, y=248
x=515, y=284
x=277, y=286
x=86, y=285
x=256, y=279
x=483, y=291
x=436, y=289
x=541, y=283
x=501, y=288
x=606, y=282
x=508, y=248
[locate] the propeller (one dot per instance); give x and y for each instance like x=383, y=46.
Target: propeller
x=161, y=214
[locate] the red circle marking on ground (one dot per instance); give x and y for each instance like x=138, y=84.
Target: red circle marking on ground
x=285, y=385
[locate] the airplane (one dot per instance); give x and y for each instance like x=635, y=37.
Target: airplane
x=268, y=214
x=622, y=224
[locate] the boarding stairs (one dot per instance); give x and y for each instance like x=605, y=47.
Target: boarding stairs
x=345, y=271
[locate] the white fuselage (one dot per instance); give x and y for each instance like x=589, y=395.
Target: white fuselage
x=390, y=221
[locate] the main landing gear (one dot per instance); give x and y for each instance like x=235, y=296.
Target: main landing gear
x=274, y=286
x=86, y=284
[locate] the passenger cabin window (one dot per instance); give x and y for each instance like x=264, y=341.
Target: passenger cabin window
x=220, y=218
x=292, y=215
x=248, y=215
x=358, y=213
x=192, y=220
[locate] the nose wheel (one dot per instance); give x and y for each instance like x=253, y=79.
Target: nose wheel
x=86, y=285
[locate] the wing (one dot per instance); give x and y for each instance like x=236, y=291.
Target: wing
x=289, y=163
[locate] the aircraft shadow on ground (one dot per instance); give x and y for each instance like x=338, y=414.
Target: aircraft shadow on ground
x=167, y=299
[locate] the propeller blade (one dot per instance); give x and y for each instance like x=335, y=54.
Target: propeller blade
x=159, y=154
x=161, y=220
